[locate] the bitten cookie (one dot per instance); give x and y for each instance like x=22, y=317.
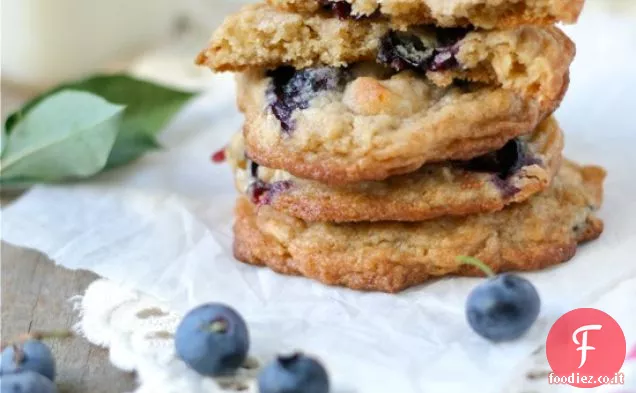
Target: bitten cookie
x=530, y=59
x=482, y=13
x=522, y=168
x=347, y=125
x=392, y=256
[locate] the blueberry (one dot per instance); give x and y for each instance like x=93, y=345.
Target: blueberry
x=504, y=162
x=448, y=37
x=262, y=193
x=444, y=59
x=253, y=168
x=503, y=308
x=257, y=191
x=293, y=374
x=26, y=382
x=219, y=156
x=292, y=90
x=340, y=8
x=343, y=10
x=506, y=188
x=32, y=355
x=212, y=339
x=402, y=51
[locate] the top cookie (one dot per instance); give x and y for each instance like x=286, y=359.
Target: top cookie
x=259, y=36
x=486, y=14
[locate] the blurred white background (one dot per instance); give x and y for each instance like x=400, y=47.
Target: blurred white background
x=47, y=41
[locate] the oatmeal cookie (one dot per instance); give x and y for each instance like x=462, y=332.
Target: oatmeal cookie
x=347, y=125
x=522, y=168
x=532, y=60
x=392, y=256
x=482, y=13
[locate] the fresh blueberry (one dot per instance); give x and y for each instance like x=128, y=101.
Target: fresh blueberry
x=293, y=374
x=212, y=339
x=292, y=90
x=32, y=355
x=26, y=382
x=503, y=308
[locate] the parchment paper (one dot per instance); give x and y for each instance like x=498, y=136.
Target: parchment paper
x=163, y=226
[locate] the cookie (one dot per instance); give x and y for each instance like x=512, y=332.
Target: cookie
x=347, y=125
x=392, y=256
x=533, y=60
x=482, y=13
x=522, y=168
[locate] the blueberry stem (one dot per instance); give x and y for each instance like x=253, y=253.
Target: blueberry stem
x=467, y=260
x=39, y=335
x=219, y=326
x=18, y=354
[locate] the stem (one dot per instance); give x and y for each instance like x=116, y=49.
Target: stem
x=41, y=335
x=218, y=326
x=18, y=354
x=467, y=260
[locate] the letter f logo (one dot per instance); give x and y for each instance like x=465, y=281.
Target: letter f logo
x=583, y=344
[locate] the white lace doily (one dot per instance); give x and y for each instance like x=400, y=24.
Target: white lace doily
x=138, y=330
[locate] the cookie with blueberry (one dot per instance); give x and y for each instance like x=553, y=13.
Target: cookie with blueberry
x=482, y=13
x=533, y=60
x=362, y=123
x=392, y=256
x=512, y=174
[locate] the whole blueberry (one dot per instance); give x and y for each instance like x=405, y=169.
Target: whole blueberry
x=32, y=355
x=26, y=382
x=212, y=339
x=293, y=374
x=503, y=308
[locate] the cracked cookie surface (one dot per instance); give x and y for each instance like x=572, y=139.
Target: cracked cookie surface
x=522, y=168
x=392, y=256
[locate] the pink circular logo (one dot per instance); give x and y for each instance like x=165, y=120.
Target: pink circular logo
x=586, y=348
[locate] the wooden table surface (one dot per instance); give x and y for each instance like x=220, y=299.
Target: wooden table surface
x=34, y=295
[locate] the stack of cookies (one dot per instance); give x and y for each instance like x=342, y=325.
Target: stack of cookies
x=385, y=138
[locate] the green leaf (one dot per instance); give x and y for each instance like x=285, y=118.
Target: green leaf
x=149, y=107
x=65, y=136
x=3, y=140
x=130, y=148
